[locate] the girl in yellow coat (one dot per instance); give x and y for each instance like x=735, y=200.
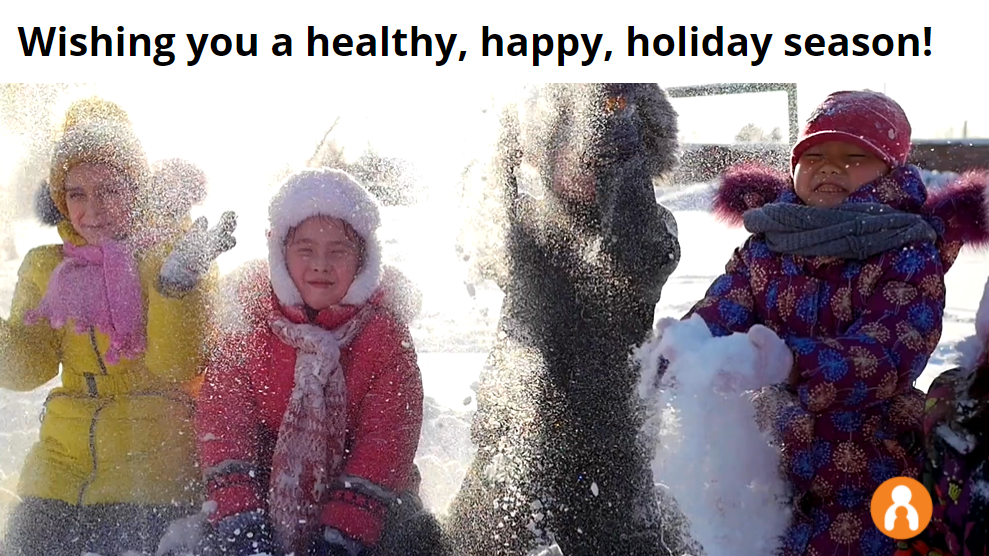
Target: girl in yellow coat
x=122, y=307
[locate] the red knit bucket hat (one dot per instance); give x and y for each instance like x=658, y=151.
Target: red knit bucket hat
x=868, y=119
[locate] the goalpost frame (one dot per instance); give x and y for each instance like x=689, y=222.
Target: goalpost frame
x=716, y=89
x=703, y=162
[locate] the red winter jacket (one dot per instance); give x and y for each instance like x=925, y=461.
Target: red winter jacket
x=246, y=392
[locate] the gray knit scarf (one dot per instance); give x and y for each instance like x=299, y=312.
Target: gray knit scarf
x=850, y=231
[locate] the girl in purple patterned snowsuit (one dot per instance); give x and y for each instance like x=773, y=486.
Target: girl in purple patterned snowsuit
x=845, y=274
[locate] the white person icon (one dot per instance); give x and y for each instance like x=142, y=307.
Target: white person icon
x=901, y=508
x=901, y=499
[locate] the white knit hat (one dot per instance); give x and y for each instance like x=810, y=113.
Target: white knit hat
x=324, y=192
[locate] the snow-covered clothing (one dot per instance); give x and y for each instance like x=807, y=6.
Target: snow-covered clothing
x=558, y=455
x=956, y=431
x=956, y=426
x=193, y=255
x=247, y=392
x=314, y=417
x=861, y=331
x=116, y=436
x=46, y=527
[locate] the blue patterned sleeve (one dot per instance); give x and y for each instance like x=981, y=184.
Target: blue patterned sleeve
x=728, y=304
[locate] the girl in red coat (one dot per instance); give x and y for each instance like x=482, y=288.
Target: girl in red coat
x=310, y=414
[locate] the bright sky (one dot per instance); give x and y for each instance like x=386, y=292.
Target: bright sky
x=934, y=112
x=282, y=120
x=241, y=133
x=242, y=129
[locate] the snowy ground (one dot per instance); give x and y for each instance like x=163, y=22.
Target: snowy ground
x=454, y=330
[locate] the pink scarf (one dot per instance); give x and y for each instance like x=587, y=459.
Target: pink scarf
x=98, y=287
x=310, y=447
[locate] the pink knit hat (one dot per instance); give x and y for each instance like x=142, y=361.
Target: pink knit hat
x=868, y=119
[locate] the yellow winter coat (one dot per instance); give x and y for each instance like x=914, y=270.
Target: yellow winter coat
x=111, y=433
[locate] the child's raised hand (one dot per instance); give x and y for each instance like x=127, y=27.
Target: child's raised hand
x=774, y=359
x=194, y=253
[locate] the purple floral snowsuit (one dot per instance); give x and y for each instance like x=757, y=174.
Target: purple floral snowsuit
x=861, y=332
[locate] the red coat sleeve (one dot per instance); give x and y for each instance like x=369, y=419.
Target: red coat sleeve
x=380, y=462
x=226, y=431
x=887, y=348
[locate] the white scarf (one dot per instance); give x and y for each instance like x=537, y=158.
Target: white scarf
x=309, y=450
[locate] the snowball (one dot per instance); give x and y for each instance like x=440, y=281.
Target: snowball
x=710, y=454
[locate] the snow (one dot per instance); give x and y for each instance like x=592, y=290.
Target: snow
x=980, y=490
x=456, y=329
x=186, y=533
x=936, y=180
x=711, y=456
x=962, y=442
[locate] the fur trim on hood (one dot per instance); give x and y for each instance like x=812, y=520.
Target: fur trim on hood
x=332, y=193
x=960, y=210
x=745, y=187
x=963, y=207
x=245, y=296
x=96, y=131
x=44, y=206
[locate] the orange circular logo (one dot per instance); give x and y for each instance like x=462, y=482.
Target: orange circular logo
x=901, y=508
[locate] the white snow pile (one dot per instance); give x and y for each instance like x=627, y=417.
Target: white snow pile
x=445, y=452
x=935, y=180
x=184, y=535
x=710, y=454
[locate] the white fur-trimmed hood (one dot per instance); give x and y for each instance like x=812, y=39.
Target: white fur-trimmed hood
x=324, y=192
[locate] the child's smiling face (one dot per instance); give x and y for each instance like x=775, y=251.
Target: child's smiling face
x=99, y=202
x=323, y=258
x=828, y=173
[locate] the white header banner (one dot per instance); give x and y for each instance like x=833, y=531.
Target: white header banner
x=717, y=40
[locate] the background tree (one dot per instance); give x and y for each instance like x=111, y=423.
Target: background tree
x=751, y=133
x=390, y=179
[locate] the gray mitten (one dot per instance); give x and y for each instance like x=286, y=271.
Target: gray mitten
x=194, y=253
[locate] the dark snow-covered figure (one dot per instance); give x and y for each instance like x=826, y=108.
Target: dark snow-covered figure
x=570, y=229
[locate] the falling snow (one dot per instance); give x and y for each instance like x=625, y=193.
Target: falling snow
x=457, y=325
